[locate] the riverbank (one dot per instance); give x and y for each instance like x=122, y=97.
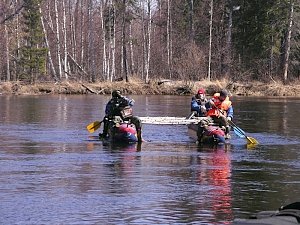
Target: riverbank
x=154, y=87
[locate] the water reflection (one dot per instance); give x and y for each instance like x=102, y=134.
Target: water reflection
x=216, y=171
x=193, y=182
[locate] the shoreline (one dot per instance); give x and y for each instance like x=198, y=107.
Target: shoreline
x=154, y=87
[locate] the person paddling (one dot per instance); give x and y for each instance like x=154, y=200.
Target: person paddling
x=221, y=110
x=115, y=107
x=198, y=103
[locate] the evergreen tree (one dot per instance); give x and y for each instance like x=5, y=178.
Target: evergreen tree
x=33, y=53
x=259, y=31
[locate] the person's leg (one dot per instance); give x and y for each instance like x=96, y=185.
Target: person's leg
x=200, y=132
x=225, y=123
x=105, y=127
x=138, y=125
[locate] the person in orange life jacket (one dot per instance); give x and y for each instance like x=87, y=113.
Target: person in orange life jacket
x=114, y=107
x=221, y=110
x=198, y=103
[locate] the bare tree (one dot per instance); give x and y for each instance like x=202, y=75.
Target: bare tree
x=124, y=51
x=48, y=47
x=132, y=66
x=72, y=27
x=288, y=42
x=66, y=71
x=147, y=63
x=169, y=40
x=144, y=55
x=7, y=52
x=104, y=61
x=113, y=41
x=191, y=20
x=58, y=40
x=210, y=39
x=91, y=57
x=82, y=39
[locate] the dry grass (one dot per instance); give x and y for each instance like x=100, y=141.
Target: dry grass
x=155, y=87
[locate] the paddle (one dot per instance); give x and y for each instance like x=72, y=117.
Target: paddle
x=92, y=127
x=190, y=116
x=239, y=132
x=242, y=134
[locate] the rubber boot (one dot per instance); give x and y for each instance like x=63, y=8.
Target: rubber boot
x=227, y=130
x=105, y=129
x=139, y=135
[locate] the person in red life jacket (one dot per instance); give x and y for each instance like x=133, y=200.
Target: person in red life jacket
x=221, y=110
x=198, y=103
x=114, y=108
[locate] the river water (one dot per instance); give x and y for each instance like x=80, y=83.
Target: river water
x=54, y=172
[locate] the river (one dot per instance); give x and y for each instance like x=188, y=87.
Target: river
x=54, y=172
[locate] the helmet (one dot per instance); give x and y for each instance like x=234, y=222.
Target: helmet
x=224, y=93
x=116, y=94
x=201, y=91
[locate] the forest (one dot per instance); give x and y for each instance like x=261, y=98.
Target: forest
x=113, y=40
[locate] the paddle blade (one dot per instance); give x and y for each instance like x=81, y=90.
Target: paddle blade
x=239, y=132
x=92, y=127
x=251, y=140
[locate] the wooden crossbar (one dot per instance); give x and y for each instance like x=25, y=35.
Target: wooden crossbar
x=167, y=120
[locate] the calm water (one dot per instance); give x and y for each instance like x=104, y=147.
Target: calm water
x=54, y=172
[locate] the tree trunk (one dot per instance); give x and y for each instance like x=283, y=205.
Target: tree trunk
x=169, y=39
x=124, y=52
x=47, y=45
x=113, y=67
x=288, y=43
x=149, y=41
x=132, y=66
x=81, y=34
x=91, y=41
x=49, y=20
x=66, y=71
x=191, y=19
x=109, y=69
x=144, y=41
x=72, y=28
x=229, y=56
x=104, y=61
x=14, y=76
x=7, y=52
x=210, y=39
x=58, y=40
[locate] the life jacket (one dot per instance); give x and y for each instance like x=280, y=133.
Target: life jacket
x=222, y=106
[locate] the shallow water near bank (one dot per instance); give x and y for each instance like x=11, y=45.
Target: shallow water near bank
x=54, y=172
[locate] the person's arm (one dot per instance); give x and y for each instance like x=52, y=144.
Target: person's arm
x=208, y=105
x=108, y=108
x=130, y=102
x=230, y=113
x=126, y=101
x=195, y=106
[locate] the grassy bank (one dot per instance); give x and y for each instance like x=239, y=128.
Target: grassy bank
x=154, y=87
